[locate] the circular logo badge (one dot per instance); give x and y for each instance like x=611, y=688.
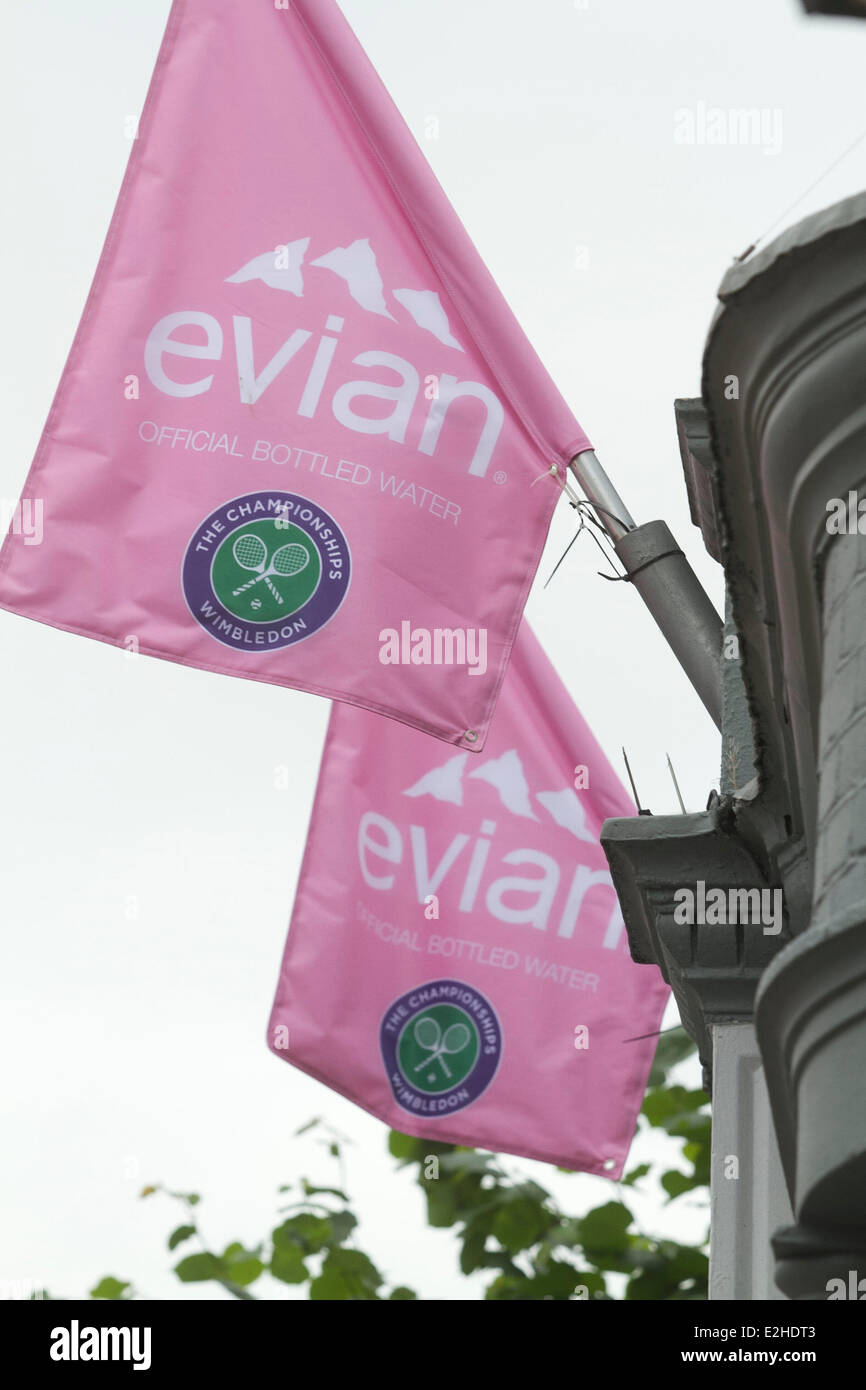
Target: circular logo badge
x=266, y=570
x=441, y=1044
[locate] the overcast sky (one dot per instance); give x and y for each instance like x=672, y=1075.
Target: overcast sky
x=134, y=1046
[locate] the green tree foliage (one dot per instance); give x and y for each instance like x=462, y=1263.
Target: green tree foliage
x=511, y=1225
x=507, y=1225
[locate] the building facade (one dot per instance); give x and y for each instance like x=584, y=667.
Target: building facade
x=772, y=986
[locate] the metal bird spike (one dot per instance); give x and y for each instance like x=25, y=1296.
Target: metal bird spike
x=676, y=785
x=631, y=779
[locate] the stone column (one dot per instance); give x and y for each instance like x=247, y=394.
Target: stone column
x=748, y=1199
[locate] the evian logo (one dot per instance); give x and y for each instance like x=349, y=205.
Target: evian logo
x=307, y=372
x=474, y=872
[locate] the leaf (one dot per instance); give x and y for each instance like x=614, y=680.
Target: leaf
x=671, y=1048
x=193, y=1198
x=287, y=1265
x=520, y=1223
x=244, y=1266
x=470, y=1196
x=676, y=1183
x=441, y=1203
x=695, y=1128
x=508, y=1288
x=472, y=1252
x=640, y=1257
x=686, y=1262
x=346, y=1275
x=408, y=1150
x=196, y=1268
x=343, y=1224
x=566, y=1233
x=109, y=1287
x=246, y=1271
x=148, y=1191
x=311, y=1191
x=182, y=1233
x=310, y=1233
x=401, y=1292
x=529, y=1189
x=636, y=1174
x=465, y=1161
x=311, y=1124
x=558, y=1282
x=680, y=1272
x=665, y=1106
x=604, y=1228
x=403, y=1146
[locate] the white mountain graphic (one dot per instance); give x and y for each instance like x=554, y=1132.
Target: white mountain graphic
x=567, y=811
x=357, y=266
x=264, y=268
x=444, y=783
x=505, y=774
x=425, y=306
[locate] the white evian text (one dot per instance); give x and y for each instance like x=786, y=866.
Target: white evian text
x=475, y=402
x=511, y=898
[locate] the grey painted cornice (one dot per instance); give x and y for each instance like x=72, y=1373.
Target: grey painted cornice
x=791, y=332
x=713, y=970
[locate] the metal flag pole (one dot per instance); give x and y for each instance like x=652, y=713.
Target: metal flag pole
x=665, y=580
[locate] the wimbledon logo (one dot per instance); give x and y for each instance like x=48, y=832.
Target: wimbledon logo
x=441, y=1044
x=266, y=570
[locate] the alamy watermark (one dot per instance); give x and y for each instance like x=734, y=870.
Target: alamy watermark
x=23, y=518
x=846, y=516
x=77, y=1343
x=439, y=646
x=719, y=907
x=854, y=1289
x=757, y=126
x=21, y=1290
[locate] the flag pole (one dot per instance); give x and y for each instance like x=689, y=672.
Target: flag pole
x=665, y=580
x=609, y=507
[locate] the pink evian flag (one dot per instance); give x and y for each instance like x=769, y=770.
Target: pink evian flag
x=297, y=414
x=456, y=961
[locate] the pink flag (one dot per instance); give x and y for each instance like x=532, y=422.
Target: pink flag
x=298, y=430
x=457, y=962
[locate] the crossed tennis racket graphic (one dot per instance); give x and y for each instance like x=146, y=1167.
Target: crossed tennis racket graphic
x=251, y=553
x=435, y=1043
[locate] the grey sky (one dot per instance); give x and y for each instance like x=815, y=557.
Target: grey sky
x=134, y=1045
